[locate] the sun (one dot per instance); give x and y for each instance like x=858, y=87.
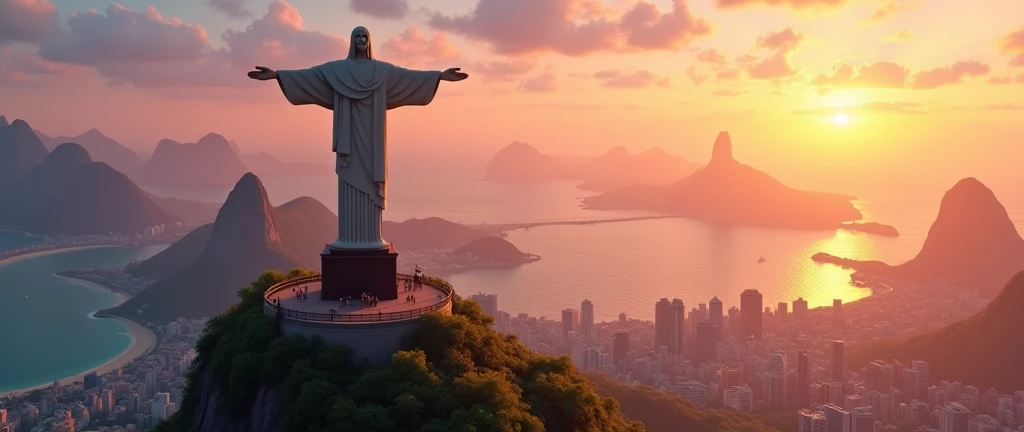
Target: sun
x=841, y=119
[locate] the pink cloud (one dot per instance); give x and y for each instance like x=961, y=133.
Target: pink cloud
x=794, y=4
x=776, y=66
x=29, y=21
x=728, y=75
x=504, y=70
x=279, y=40
x=383, y=9
x=413, y=49
x=890, y=8
x=23, y=67
x=712, y=56
x=574, y=27
x=231, y=8
x=944, y=76
x=630, y=79
x=695, y=76
x=885, y=74
x=544, y=83
x=1013, y=45
x=123, y=35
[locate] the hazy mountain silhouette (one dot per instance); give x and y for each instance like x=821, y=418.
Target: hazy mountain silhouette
x=20, y=151
x=728, y=191
x=207, y=163
x=491, y=250
x=521, y=162
x=972, y=243
x=248, y=238
x=619, y=168
x=97, y=199
x=429, y=233
x=41, y=185
x=265, y=164
x=4, y=122
x=979, y=350
x=102, y=149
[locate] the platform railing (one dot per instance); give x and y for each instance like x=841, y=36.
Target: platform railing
x=274, y=309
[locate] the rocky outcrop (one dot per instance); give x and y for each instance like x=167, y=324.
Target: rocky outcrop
x=264, y=417
x=726, y=191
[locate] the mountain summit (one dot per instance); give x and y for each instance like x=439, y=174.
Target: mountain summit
x=200, y=275
x=730, y=192
x=972, y=243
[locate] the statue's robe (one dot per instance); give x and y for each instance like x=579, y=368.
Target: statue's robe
x=360, y=92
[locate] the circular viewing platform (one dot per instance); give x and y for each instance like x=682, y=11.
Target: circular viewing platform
x=372, y=331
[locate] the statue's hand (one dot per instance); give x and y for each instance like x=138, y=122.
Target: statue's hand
x=263, y=73
x=453, y=74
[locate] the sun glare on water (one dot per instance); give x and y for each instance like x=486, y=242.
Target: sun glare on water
x=841, y=119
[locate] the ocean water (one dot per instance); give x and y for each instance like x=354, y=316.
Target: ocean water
x=628, y=266
x=48, y=332
x=11, y=240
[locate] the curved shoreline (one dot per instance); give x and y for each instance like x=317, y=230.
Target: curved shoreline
x=143, y=340
x=33, y=254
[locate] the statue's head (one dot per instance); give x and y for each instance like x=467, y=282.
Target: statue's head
x=359, y=46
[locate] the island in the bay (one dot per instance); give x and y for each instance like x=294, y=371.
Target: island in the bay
x=726, y=191
x=972, y=243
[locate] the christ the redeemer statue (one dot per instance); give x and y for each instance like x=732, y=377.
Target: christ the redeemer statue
x=359, y=89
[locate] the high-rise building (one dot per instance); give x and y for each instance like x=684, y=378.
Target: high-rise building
x=862, y=419
x=587, y=318
x=923, y=377
x=669, y=319
x=622, y=318
x=488, y=303
x=838, y=361
x=955, y=417
x=879, y=377
x=838, y=320
x=803, y=380
x=782, y=312
x=911, y=387
x=800, y=309
x=707, y=342
x=715, y=312
x=620, y=346
x=91, y=380
x=740, y=398
x=751, y=318
x=837, y=419
x=570, y=321
x=729, y=378
x=812, y=421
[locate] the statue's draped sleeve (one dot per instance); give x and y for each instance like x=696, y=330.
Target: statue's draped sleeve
x=411, y=87
x=306, y=87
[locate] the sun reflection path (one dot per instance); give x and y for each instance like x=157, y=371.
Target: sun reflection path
x=822, y=283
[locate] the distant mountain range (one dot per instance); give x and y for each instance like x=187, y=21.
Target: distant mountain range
x=200, y=275
x=429, y=233
x=521, y=162
x=982, y=350
x=727, y=191
x=972, y=243
x=66, y=192
x=210, y=162
x=102, y=149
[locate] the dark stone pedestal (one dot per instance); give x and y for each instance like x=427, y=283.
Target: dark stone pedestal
x=352, y=273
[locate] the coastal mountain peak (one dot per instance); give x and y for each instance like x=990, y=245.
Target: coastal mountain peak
x=519, y=147
x=214, y=139
x=245, y=221
x=67, y=156
x=4, y=122
x=618, y=151
x=92, y=133
x=722, y=151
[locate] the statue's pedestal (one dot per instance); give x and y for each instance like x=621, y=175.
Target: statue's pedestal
x=353, y=273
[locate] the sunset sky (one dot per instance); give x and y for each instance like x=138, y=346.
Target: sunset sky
x=939, y=83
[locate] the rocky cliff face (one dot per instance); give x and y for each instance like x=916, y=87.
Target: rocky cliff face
x=264, y=417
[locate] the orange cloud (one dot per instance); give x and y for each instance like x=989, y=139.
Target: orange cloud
x=383, y=9
x=415, y=49
x=1013, y=45
x=544, y=83
x=776, y=66
x=893, y=107
x=885, y=74
x=891, y=8
x=728, y=75
x=794, y=4
x=695, y=76
x=630, y=79
x=728, y=92
x=712, y=56
x=24, y=68
x=574, y=27
x=30, y=21
x=900, y=36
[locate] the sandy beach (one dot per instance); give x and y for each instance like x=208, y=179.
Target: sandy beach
x=51, y=251
x=143, y=339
